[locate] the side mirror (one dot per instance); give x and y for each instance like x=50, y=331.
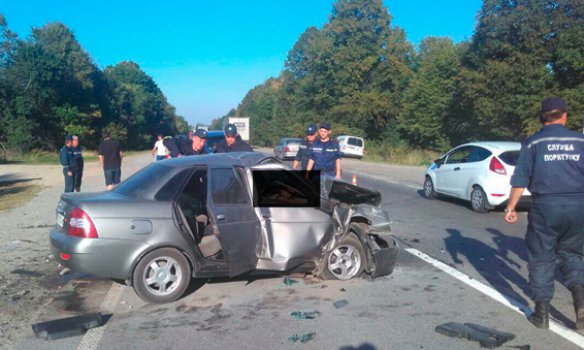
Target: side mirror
x=439, y=161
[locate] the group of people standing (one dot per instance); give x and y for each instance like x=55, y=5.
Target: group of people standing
x=110, y=157
x=318, y=151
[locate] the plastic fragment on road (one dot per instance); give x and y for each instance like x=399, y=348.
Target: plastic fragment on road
x=340, y=303
x=343, y=290
x=288, y=281
x=488, y=338
x=67, y=327
x=305, y=338
x=305, y=315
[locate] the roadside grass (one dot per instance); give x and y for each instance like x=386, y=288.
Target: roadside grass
x=46, y=157
x=14, y=193
x=401, y=155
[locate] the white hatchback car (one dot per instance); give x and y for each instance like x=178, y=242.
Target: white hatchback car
x=479, y=172
x=351, y=146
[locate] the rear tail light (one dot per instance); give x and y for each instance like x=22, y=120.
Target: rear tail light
x=80, y=224
x=497, y=167
x=287, y=149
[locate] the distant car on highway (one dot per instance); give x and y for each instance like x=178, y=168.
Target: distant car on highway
x=287, y=148
x=479, y=172
x=194, y=217
x=351, y=146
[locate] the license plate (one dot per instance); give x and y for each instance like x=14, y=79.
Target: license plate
x=60, y=219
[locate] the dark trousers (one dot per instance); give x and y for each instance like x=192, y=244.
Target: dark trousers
x=77, y=176
x=69, y=181
x=555, y=230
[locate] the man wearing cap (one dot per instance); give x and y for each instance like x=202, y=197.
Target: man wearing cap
x=199, y=142
x=304, y=148
x=232, y=143
x=551, y=166
x=325, y=155
x=78, y=167
x=68, y=162
x=110, y=156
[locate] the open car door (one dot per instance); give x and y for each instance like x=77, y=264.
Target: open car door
x=237, y=224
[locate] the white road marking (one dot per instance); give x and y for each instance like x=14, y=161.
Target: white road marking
x=93, y=336
x=555, y=327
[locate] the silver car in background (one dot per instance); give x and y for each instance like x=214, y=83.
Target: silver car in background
x=287, y=148
x=193, y=217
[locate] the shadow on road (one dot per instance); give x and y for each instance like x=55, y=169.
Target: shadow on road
x=364, y=346
x=493, y=264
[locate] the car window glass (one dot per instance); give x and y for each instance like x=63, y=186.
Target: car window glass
x=510, y=157
x=478, y=154
x=226, y=188
x=136, y=184
x=192, y=199
x=459, y=156
x=169, y=191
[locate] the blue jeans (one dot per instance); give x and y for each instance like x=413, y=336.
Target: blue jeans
x=159, y=158
x=112, y=176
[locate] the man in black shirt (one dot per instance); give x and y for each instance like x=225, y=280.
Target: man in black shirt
x=110, y=157
x=78, y=168
x=232, y=143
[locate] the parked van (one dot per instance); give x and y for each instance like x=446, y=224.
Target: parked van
x=351, y=146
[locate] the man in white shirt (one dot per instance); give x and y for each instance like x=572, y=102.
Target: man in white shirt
x=159, y=148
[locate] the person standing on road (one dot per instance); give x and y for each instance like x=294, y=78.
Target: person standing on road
x=325, y=155
x=232, y=143
x=551, y=166
x=159, y=148
x=110, y=157
x=79, y=164
x=68, y=162
x=199, y=142
x=304, y=148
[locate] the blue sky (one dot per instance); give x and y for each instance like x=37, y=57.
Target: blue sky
x=205, y=55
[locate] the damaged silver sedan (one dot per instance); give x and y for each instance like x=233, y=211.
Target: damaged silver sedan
x=194, y=217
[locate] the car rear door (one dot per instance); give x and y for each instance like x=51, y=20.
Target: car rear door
x=237, y=224
x=448, y=175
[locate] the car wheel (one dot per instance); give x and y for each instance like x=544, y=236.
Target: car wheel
x=429, y=191
x=478, y=200
x=162, y=276
x=346, y=260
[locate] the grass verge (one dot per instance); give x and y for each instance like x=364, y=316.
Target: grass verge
x=45, y=157
x=402, y=155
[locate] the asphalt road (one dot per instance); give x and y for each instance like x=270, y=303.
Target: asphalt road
x=399, y=311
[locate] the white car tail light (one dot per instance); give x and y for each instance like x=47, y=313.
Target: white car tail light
x=80, y=224
x=497, y=167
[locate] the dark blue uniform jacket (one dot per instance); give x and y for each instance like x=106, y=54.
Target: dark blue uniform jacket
x=238, y=146
x=325, y=155
x=78, y=156
x=551, y=162
x=67, y=158
x=303, y=154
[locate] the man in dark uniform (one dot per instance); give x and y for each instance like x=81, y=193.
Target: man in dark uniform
x=232, y=143
x=551, y=166
x=183, y=142
x=325, y=155
x=68, y=162
x=171, y=147
x=79, y=164
x=199, y=143
x=110, y=156
x=304, y=148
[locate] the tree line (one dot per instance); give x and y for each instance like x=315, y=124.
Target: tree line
x=359, y=72
x=50, y=86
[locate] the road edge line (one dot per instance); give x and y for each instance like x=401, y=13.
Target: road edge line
x=511, y=303
x=93, y=336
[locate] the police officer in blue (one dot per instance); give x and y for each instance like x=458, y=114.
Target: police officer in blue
x=232, y=141
x=325, y=155
x=551, y=166
x=304, y=148
x=68, y=162
x=199, y=142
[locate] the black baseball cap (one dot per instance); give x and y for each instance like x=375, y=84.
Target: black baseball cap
x=68, y=137
x=553, y=104
x=311, y=129
x=325, y=125
x=201, y=133
x=230, y=130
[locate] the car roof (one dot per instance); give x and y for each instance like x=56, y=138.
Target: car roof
x=357, y=137
x=245, y=159
x=500, y=146
x=291, y=139
x=214, y=133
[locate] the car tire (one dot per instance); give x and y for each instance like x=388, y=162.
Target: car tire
x=347, y=259
x=429, y=190
x=167, y=282
x=478, y=200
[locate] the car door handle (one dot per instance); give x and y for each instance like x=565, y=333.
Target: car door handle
x=220, y=217
x=457, y=168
